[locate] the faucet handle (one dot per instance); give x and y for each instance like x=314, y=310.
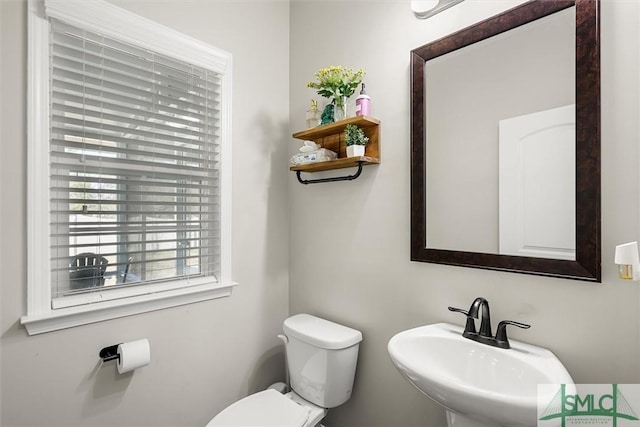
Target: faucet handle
x=470, y=327
x=501, y=332
x=459, y=310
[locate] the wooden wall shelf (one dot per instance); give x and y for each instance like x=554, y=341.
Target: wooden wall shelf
x=331, y=137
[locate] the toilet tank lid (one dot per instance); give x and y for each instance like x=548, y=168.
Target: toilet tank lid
x=320, y=332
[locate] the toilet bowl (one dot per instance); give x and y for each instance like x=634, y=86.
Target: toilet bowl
x=270, y=408
x=321, y=360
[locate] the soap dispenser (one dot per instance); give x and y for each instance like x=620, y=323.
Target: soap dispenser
x=363, y=103
x=313, y=115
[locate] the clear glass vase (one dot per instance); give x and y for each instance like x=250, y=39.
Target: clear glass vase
x=340, y=108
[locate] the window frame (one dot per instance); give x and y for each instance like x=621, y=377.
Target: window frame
x=105, y=18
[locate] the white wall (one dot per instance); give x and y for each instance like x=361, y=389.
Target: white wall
x=355, y=269
x=205, y=355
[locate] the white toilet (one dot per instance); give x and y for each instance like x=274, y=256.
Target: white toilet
x=321, y=359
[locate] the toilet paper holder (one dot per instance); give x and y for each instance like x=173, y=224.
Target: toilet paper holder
x=110, y=353
x=129, y=355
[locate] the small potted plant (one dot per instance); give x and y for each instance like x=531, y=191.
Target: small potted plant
x=355, y=140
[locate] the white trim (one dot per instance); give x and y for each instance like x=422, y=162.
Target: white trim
x=108, y=293
x=225, y=176
x=38, y=240
x=100, y=16
x=69, y=317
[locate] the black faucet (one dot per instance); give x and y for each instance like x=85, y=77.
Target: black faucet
x=485, y=324
x=485, y=336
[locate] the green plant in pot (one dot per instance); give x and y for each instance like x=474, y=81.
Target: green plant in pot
x=355, y=140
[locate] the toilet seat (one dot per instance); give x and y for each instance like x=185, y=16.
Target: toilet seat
x=267, y=408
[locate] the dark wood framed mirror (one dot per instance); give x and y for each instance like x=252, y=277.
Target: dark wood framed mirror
x=584, y=263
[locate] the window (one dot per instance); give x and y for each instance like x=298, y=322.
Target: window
x=132, y=213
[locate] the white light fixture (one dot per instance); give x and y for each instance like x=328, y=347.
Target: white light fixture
x=628, y=261
x=424, y=9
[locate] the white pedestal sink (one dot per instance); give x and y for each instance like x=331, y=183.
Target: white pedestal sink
x=478, y=385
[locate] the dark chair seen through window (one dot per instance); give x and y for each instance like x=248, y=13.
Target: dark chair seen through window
x=87, y=270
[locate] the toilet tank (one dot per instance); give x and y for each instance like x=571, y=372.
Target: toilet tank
x=321, y=357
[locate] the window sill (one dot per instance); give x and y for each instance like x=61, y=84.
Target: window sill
x=69, y=317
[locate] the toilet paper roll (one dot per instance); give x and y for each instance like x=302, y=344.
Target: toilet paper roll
x=133, y=355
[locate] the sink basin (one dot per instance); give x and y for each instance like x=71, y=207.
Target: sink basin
x=474, y=381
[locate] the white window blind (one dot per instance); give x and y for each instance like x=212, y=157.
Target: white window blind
x=134, y=164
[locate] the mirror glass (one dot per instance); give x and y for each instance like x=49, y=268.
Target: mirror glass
x=500, y=154
x=468, y=186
